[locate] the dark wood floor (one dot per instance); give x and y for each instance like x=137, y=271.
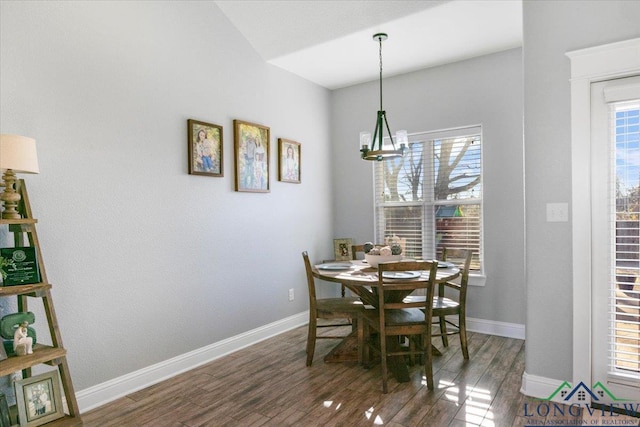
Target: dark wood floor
x=268, y=384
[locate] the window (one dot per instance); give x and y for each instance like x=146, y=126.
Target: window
x=624, y=326
x=432, y=197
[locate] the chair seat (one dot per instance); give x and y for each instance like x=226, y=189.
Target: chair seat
x=439, y=303
x=338, y=307
x=403, y=316
x=445, y=304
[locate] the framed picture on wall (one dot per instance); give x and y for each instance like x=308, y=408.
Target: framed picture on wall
x=289, y=159
x=251, y=153
x=205, y=148
x=39, y=399
x=342, y=249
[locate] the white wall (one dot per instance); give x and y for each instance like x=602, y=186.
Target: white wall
x=552, y=28
x=485, y=90
x=147, y=261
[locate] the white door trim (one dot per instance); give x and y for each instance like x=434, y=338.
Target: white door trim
x=588, y=65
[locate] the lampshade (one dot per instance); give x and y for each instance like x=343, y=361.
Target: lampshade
x=18, y=153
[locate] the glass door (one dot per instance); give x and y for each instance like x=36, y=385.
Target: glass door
x=615, y=189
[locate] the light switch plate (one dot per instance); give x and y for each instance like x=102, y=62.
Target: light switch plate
x=557, y=212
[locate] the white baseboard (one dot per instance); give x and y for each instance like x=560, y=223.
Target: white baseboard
x=108, y=391
x=541, y=387
x=491, y=327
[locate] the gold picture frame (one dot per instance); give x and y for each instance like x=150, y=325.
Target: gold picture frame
x=251, y=153
x=289, y=161
x=39, y=399
x=342, y=249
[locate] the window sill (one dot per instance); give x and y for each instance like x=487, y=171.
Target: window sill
x=477, y=279
x=474, y=280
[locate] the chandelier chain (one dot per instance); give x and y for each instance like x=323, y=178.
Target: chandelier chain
x=380, y=56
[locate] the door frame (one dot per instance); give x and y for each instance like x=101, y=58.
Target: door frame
x=589, y=65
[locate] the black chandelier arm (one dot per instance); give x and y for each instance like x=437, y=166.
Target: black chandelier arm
x=393, y=144
x=378, y=134
x=375, y=132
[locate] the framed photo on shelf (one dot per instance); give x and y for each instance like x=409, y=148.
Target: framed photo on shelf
x=251, y=153
x=205, y=148
x=39, y=399
x=289, y=158
x=342, y=249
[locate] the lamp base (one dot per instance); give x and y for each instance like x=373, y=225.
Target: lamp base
x=10, y=197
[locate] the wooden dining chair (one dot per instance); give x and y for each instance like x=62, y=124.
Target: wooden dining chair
x=444, y=306
x=394, y=317
x=327, y=308
x=356, y=250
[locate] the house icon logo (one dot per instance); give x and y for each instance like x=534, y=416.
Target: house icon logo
x=582, y=393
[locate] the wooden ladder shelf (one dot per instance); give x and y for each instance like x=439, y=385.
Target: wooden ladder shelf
x=54, y=354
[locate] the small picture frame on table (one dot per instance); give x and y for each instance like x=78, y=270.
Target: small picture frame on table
x=39, y=399
x=205, y=148
x=251, y=152
x=289, y=159
x=342, y=249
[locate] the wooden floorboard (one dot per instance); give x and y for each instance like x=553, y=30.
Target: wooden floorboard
x=268, y=384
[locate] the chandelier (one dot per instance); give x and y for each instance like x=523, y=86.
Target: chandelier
x=373, y=149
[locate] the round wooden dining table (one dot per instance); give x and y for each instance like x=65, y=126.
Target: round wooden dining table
x=360, y=278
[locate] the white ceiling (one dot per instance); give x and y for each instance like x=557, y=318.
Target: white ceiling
x=330, y=42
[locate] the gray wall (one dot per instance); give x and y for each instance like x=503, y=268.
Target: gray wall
x=552, y=28
x=148, y=262
x=486, y=91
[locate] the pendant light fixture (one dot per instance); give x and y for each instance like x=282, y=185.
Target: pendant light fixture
x=373, y=149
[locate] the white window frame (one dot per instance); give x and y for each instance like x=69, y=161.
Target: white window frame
x=477, y=277
x=589, y=65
